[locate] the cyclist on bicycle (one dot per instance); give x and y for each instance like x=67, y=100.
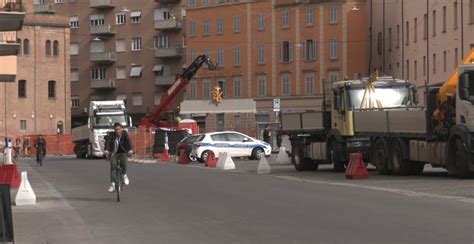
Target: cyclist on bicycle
x=118, y=147
x=40, y=146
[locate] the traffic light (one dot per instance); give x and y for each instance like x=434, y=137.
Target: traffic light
x=217, y=95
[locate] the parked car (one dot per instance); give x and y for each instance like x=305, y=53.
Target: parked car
x=235, y=143
x=187, y=144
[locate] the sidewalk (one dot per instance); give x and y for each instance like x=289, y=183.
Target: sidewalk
x=52, y=219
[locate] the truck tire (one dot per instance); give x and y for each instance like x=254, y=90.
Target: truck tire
x=380, y=157
x=299, y=161
x=335, y=156
x=460, y=159
x=399, y=162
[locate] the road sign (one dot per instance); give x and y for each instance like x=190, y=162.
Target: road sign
x=276, y=104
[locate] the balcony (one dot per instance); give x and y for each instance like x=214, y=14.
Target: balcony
x=168, y=52
x=164, y=80
x=167, y=1
x=168, y=24
x=43, y=9
x=102, y=4
x=8, y=68
x=8, y=44
x=105, y=57
x=104, y=30
x=103, y=84
x=12, y=14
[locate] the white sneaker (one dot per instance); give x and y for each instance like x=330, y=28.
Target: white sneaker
x=126, y=181
x=112, y=187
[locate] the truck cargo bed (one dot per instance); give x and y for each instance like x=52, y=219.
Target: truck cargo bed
x=303, y=122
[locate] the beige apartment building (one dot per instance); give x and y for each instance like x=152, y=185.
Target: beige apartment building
x=270, y=49
x=129, y=50
x=37, y=101
x=420, y=40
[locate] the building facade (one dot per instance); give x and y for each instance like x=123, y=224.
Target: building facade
x=272, y=49
x=129, y=50
x=422, y=40
x=38, y=101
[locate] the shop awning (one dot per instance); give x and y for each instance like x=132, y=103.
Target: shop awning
x=225, y=106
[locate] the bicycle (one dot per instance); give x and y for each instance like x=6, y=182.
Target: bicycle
x=119, y=181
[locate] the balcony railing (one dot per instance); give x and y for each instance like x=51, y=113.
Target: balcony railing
x=12, y=6
x=168, y=24
x=103, y=84
x=102, y=30
x=12, y=14
x=161, y=80
x=167, y=1
x=168, y=52
x=43, y=9
x=8, y=43
x=105, y=57
x=102, y=3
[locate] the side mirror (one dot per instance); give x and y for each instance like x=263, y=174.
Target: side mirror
x=89, y=123
x=129, y=121
x=246, y=140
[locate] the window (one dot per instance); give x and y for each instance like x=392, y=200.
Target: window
x=424, y=66
x=97, y=19
x=237, y=122
x=261, y=53
x=23, y=126
x=157, y=99
x=136, y=71
x=120, y=18
x=192, y=55
x=434, y=23
x=415, y=70
x=26, y=47
x=408, y=70
x=456, y=58
x=74, y=48
x=434, y=63
x=379, y=43
x=309, y=50
x=206, y=26
x=415, y=32
x=398, y=37
x=237, y=56
x=120, y=45
x=471, y=11
x=97, y=47
x=192, y=90
x=455, y=15
x=206, y=92
x=425, y=25
x=75, y=101
x=261, y=22
x=445, y=68
x=407, y=31
x=192, y=28
x=285, y=83
x=309, y=83
x=207, y=52
x=137, y=100
x=136, y=44
x=261, y=83
x=236, y=24
x=161, y=42
x=220, y=57
x=159, y=70
x=58, y=1
x=223, y=85
x=51, y=89
x=191, y=3
x=136, y=16
x=333, y=15
x=205, y=2
x=48, y=48
x=121, y=72
x=333, y=47
x=309, y=16
x=22, y=88
x=74, y=74
x=236, y=87
x=285, y=19
x=55, y=48
x=98, y=73
x=333, y=76
x=74, y=22
x=444, y=19
x=220, y=25
x=286, y=52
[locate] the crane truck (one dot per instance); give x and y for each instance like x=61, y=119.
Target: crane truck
x=89, y=138
x=396, y=135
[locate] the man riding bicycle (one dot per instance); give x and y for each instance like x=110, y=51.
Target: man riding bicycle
x=118, y=147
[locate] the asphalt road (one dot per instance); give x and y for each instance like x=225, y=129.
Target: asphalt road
x=170, y=203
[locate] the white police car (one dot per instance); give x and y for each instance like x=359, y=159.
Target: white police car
x=234, y=143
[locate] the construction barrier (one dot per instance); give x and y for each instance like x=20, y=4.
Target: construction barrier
x=183, y=157
x=356, y=168
x=9, y=175
x=211, y=161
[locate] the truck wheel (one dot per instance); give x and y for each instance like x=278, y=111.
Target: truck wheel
x=417, y=168
x=460, y=159
x=380, y=157
x=298, y=160
x=335, y=156
x=400, y=164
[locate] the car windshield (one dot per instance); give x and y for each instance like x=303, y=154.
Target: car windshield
x=191, y=139
x=107, y=121
x=389, y=97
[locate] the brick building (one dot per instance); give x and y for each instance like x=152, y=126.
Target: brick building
x=422, y=40
x=129, y=50
x=38, y=102
x=271, y=49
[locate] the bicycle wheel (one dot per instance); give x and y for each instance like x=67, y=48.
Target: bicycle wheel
x=118, y=182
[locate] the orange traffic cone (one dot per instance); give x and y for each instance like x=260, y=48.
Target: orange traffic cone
x=183, y=158
x=165, y=156
x=356, y=168
x=211, y=161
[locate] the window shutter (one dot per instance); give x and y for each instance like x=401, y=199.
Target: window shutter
x=290, y=51
x=281, y=52
x=303, y=50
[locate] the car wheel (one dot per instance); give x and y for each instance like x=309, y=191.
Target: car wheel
x=192, y=158
x=204, y=156
x=257, y=153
